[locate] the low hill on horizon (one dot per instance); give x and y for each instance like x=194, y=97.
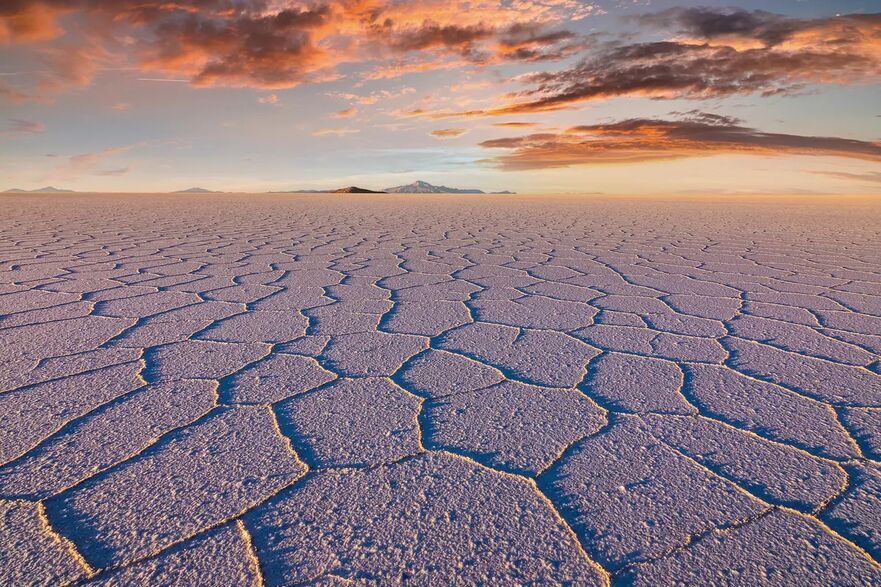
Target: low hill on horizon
x=196, y=190
x=44, y=190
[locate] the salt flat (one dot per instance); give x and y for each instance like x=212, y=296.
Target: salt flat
x=317, y=389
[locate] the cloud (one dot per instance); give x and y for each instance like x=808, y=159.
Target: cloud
x=87, y=163
x=17, y=126
x=122, y=106
x=448, y=133
x=271, y=44
x=244, y=49
x=530, y=42
x=12, y=94
x=640, y=140
x=367, y=100
x=270, y=99
x=347, y=113
x=693, y=53
x=870, y=177
x=339, y=132
x=724, y=53
x=23, y=21
x=115, y=172
x=373, y=97
x=475, y=85
x=758, y=28
x=729, y=24
x=431, y=34
x=72, y=66
x=515, y=124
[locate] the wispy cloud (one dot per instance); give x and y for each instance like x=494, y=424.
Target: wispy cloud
x=870, y=177
x=339, y=132
x=89, y=162
x=271, y=99
x=17, y=127
x=13, y=94
x=373, y=97
x=115, y=172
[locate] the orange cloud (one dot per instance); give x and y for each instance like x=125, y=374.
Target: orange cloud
x=347, y=113
x=448, y=133
x=23, y=21
x=273, y=44
x=516, y=124
x=641, y=140
x=72, y=65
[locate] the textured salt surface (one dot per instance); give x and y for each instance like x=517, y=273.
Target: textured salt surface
x=279, y=390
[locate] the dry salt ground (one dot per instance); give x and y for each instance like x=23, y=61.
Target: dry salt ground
x=328, y=390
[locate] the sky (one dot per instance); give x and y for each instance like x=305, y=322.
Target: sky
x=538, y=96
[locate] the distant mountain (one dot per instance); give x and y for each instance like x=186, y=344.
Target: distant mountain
x=52, y=190
x=197, y=191
x=423, y=187
x=349, y=190
x=46, y=190
x=355, y=190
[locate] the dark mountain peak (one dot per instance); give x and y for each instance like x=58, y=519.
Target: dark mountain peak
x=355, y=190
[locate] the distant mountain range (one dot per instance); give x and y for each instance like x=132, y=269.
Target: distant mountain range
x=48, y=190
x=417, y=187
x=349, y=190
x=423, y=187
x=196, y=191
